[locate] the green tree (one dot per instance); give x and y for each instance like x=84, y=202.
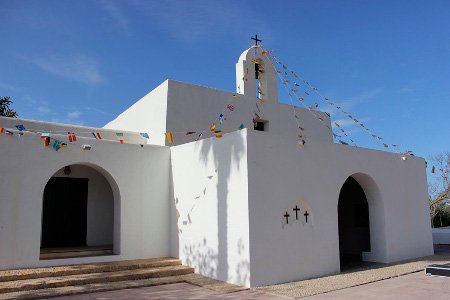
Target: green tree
x=5, y=110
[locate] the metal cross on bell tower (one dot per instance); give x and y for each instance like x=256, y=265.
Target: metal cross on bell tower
x=256, y=39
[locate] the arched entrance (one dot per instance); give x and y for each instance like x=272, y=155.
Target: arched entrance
x=354, y=225
x=77, y=214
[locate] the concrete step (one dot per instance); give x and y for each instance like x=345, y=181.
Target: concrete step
x=22, y=274
x=92, y=278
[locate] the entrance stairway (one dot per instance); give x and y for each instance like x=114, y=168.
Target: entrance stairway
x=88, y=278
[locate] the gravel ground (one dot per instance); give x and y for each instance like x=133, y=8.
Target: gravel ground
x=356, y=277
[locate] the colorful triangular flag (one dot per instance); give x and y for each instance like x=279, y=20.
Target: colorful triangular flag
x=97, y=135
x=218, y=133
x=120, y=136
x=45, y=134
x=72, y=137
x=57, y=145
x=46, y=141
x=145, y=135
x=199, y=136
x=169, y=137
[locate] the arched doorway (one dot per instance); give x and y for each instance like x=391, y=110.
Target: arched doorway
x=77, y=214
x=354, y=225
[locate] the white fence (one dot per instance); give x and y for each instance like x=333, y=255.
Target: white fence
x=441, y=236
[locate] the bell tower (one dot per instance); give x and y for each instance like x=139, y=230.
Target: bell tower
x=256, y=76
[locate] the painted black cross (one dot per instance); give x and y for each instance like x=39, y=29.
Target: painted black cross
x=306, y=216
x=286, y=215
x=256, y=39
x=296, y=209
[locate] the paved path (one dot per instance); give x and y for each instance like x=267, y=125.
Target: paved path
x=174, y=291
x=356, y=277
x=412, y=286
x=405, y=280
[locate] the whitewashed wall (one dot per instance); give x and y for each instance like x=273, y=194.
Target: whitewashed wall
x=211, y=207
x=282, y=175
x=179, y=107
x=139, y=178
x=193, y=108
x=148, y=115
x=130, y=137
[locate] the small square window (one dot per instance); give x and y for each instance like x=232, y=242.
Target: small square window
x=260, y=125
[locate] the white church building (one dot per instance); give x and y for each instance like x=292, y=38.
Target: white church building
x=253, y=207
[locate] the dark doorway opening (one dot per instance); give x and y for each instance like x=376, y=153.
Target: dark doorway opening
x=64, y=215
x=353, y=219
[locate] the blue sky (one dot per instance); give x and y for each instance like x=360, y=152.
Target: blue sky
x=84, y=62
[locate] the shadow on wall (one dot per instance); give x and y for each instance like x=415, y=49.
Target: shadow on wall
x=226, y=153
x=202, y=256
x=243, y=267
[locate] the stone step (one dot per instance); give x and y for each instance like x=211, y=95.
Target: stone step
x=92, y=278
x=195, y=279
x=90, y=288
x=23, y=274
x=75, y=254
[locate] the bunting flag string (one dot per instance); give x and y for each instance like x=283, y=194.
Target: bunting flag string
x=45, y=134
x=287, y=73
x=300, y=137
x=309, y=108
x=294, y=87
x=72, y=136
x=288, y=89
